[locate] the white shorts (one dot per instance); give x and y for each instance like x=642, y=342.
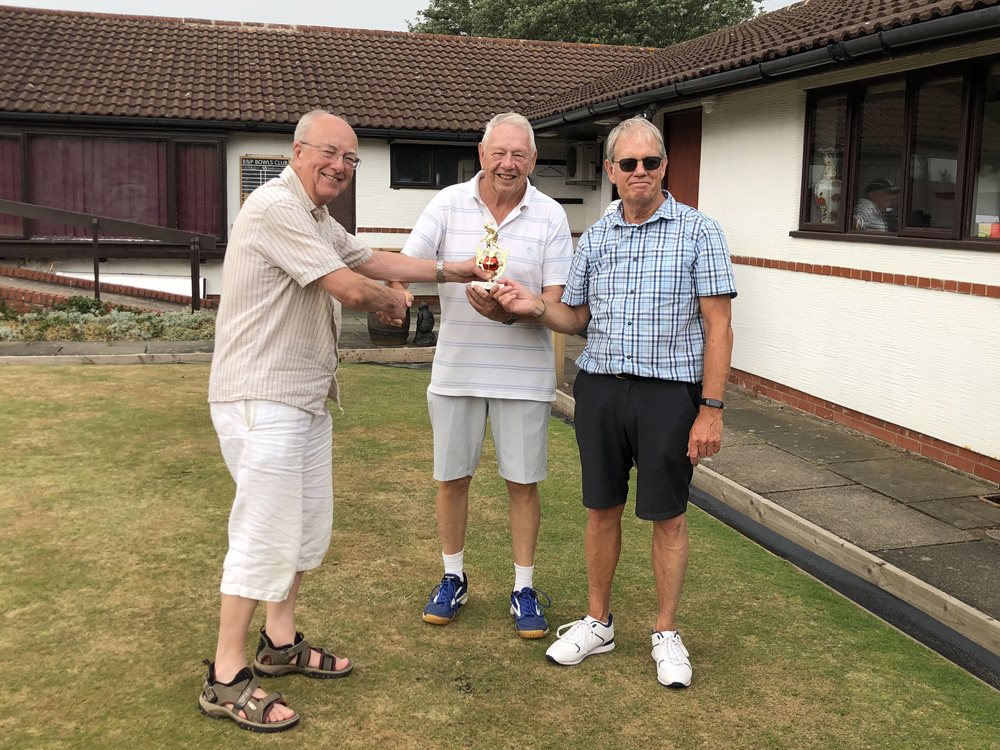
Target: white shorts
x=281, y=459
x=520, y=432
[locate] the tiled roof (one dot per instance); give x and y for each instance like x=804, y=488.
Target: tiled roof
x=63, y=63
x=801, y=27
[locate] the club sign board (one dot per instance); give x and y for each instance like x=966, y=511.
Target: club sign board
x=256, y=170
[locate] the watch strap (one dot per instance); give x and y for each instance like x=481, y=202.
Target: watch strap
x=440, y=272
x=713, y=402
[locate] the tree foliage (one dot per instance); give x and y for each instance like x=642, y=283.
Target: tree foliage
x=643, y=23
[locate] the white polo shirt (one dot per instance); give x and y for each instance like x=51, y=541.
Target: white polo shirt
x=476, y=356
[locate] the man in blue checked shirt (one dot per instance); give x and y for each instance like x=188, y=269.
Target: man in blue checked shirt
x=654, y=281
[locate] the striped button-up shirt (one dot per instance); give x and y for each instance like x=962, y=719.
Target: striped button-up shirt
x=642, y=282
x=276, y=332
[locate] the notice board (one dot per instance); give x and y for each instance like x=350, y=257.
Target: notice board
x=256, y=170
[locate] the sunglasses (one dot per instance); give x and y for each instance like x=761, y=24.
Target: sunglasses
x=649, y=163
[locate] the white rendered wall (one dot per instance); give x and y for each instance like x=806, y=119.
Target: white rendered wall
x=925, y=360
x=379, y=205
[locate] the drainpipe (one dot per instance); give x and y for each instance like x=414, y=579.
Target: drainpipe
x=882, y=43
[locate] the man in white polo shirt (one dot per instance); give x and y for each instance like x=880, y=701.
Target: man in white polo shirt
x=489, y=362
x=288, y=267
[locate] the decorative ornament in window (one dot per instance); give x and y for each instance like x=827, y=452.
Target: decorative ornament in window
x=827, y=190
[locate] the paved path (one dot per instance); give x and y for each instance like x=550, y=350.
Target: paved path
x=925, y=533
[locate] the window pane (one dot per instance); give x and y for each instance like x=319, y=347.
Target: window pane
x=937, y=117
x=413, y=164
x=116, y=177
x=986, y=200
x=880, y=159
x=827, y=127
x=10, y=183
x=453, y=165
x=198, y=187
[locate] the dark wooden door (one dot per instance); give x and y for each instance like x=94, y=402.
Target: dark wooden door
x=682, y=133
x=342, y=208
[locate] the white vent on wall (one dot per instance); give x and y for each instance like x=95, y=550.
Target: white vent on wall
x=582, y=164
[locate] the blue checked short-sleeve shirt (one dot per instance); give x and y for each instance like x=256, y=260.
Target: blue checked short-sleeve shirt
x=642, y=282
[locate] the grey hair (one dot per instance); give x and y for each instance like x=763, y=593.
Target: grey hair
x=305, y=122
x=635, y=124
x=514, y=119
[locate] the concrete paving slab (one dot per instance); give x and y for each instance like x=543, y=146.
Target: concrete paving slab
x=764, y=468
x=732, y=437
x=910, y=479
x=179, y=347
x=802, y=435
x=978, y=506
x=966, y=571
x=29, y=348
x=89, y=348
x=827, y=444
x=747, y=415
x=867, y=519
x=951, y=512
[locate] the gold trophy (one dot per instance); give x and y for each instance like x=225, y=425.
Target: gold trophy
x=492, y=259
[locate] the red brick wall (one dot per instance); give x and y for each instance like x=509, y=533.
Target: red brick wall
x=24, y=300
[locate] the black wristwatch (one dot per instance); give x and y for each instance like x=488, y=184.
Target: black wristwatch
x=511, y=319
x=714, y=403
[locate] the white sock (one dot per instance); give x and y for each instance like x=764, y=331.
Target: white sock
x=588, y=618
x=454, y=564
x=523, y=576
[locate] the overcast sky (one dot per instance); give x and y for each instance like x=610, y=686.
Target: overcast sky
x=390, y=15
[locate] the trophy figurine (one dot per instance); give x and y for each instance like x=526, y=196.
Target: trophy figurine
x=492, y=259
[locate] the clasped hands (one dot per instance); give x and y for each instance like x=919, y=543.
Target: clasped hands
x=505, y=297
x=460, y=272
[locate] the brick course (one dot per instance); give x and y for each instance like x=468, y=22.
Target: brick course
x=86, y=284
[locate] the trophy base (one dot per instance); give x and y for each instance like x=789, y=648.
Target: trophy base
x=487, y=285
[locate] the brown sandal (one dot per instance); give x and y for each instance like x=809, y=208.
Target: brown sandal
x=239, y=693
x=294, y=659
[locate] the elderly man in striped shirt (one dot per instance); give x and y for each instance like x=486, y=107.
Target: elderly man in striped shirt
x=289, y=266
x=654, y=281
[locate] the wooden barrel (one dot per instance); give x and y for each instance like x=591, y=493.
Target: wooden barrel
x=384, y=334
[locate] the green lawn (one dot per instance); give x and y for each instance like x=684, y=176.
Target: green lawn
x=113, y=511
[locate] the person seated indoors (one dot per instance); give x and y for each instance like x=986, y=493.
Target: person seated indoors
x=878, y=195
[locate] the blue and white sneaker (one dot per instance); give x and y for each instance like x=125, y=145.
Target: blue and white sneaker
x=527, y=611
x=446, y=598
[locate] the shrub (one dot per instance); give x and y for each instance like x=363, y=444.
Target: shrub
x=74, y=324
x=82, y=305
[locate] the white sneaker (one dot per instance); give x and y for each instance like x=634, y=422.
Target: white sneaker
x=673, y=668
x=582, y=638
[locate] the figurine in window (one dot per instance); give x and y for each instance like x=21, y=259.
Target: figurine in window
x=878, y=195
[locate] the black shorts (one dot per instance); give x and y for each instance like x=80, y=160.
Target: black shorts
x=645, y=423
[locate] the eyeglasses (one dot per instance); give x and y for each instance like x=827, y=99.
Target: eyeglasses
x=649, y=163
x=350, y=161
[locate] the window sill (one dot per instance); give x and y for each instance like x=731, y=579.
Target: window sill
x=987, y=245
